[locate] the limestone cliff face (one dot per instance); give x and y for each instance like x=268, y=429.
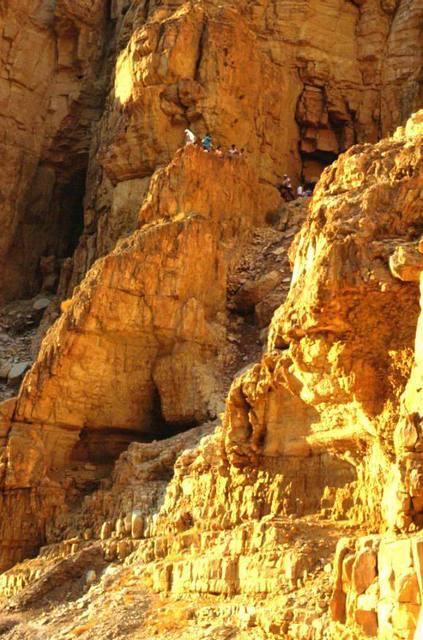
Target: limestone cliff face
x=325, y=384
x=51, y=89
x=135, y=351
x=110, y=87
x=143, y=234
x=328, y=422
x=330, y=387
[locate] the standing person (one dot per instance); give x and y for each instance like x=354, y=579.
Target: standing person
x=301, y=193
x=286, y=182
x=285, y=189
x=207, y=142
x=233, y=151
x=190, y=137
x=219, y=152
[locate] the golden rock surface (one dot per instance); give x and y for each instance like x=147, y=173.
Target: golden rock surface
x=208, y=445
x=95, y=98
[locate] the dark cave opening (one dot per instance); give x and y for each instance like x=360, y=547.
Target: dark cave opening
x=164, y=428
x=59, y=223
x=325, y=158
x=313, y=165
x=70, y=213
x=103, y=446
x=52, y=225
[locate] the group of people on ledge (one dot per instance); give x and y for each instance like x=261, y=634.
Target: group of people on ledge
x=287, y=192
x=207, y=145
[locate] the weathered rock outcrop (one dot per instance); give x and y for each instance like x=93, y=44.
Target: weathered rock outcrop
x=378, y=586
x=137, y=239
x=306, y=96
x=110, y=89
x=329, y=387
x=51, y=91
x=326, y=423
x=340, y=349
x=135, y=351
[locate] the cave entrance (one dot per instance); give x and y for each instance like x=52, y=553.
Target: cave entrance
x=50, y=227
x=70, y=209
x=167, y=428
x=62, y=223
x=314, y=163
x=103, y=446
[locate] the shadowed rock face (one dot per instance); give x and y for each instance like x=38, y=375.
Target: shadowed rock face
x=94, y=99
x=51, y=89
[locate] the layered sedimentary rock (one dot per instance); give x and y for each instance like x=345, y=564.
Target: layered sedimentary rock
x=309, y=428
x=135, y=351
x=378, y=586
x=325, y=385
x=110, y=90
x=327, y=422
x=186, y=67
x=94, y=98
x=329, y=389
x=51, y=89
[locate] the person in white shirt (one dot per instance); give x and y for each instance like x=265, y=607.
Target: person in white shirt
x=190, y=137
x=233, y=151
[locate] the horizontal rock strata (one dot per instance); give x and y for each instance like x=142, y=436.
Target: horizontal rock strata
x=135, y=350
x=110, y=90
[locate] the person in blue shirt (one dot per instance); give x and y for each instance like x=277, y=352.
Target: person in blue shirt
x=207, y=142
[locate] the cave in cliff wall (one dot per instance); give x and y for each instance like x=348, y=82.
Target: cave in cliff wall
x=51, y=224
x=114, y=86
x=54, y=73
